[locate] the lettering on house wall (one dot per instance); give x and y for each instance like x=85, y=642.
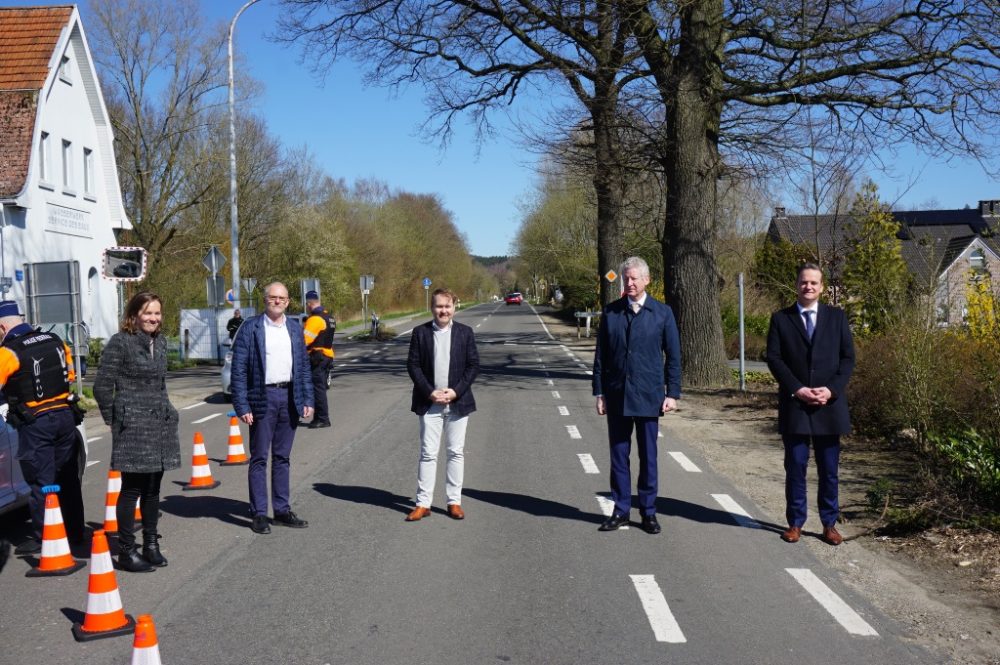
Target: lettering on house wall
x=60, y=219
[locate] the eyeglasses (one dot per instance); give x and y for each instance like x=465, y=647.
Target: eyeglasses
x=276, y=298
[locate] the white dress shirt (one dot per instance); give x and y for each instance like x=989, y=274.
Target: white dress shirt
x=277, y=351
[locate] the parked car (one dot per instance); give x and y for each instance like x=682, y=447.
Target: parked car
x=13, y=490
x=514, y=298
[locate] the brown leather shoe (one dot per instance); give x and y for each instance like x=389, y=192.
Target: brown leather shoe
x=832, y=536
x=792, y=535
x=455, y=511
x=418, y=513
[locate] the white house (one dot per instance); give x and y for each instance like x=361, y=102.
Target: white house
x=60, y=198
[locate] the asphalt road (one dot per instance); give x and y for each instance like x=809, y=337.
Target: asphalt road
x=525, y=578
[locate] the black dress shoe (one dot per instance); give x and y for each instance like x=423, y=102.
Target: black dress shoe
x=290, y=519
x=261, y=524
x=30, y=546
x=616, y=520
x=317, y=424
x=650, y=525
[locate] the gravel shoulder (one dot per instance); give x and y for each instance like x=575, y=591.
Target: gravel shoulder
x=942, y=586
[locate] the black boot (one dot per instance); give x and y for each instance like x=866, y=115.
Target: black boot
x=129, y=559
x=151, y=549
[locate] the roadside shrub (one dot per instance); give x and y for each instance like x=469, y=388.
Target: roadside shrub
x=972, y=462
x=95, y=347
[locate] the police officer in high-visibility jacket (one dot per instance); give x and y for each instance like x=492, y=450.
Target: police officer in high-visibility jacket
x=36, y=370
x=318, y=330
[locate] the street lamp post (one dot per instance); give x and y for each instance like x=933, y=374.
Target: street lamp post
x=234, y=226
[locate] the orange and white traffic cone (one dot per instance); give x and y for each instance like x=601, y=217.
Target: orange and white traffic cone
x=201, y=473
x=56, y=558
x=145, y=647
x=105, y=616
x=237, y=455
x=111, y=502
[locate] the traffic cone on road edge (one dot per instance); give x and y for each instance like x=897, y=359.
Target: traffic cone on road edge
x=145, y=647
x=105, y=616
x=237, y=455
x=111, y=503
x=201, y=473
x=56, y=558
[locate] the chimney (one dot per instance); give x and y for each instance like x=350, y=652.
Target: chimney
x=779, y=213
x=989, y=208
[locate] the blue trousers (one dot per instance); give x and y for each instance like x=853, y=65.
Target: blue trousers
x=271, y=435
x=319, y=373
x=620, y=441
x=827, y=464
x=47, y=453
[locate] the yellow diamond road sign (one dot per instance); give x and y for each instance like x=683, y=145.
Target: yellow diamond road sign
x=611, y=275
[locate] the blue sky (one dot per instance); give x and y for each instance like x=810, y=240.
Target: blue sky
x=358, y=132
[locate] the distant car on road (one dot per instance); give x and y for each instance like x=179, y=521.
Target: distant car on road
x=514, y=298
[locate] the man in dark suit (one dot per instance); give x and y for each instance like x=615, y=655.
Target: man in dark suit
x=811, y=353
x=637, y=379
x=272, y=389
x=442, y=363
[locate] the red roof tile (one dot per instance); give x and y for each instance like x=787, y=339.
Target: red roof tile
x=17, y=124
x=28, y=36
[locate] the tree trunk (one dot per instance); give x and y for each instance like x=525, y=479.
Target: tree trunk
x=692, y=164
x=608, y=187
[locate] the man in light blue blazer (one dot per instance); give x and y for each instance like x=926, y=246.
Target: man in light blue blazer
x=272, y=389
x=637, y=379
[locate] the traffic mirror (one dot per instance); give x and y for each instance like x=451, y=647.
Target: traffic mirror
x=127, y=264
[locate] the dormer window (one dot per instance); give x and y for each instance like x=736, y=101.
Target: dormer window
x=65, y=73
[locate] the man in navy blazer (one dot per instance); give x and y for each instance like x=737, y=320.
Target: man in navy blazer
x=637, y=379
x=442, y=363
x=272, y=389
x=810, y=352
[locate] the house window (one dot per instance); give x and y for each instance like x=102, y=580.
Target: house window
x=65, y=73
x=977, y=260
x=67, y=166
x=88, y=172
x=44, y=160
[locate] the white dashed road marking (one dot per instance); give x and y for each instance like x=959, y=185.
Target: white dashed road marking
x=608, y=507
x=93, y=438
x=831, y=602
x=661, y=619
x=555, y=394
x=193, y=406
x=201, y=420
x=549, y=382
x=589, y=466
x=574, y=433
x=93, y=462
x=685, y=463
x=735, y=510
x=563, y=411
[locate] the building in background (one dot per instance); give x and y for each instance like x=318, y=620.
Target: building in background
x=60, y=198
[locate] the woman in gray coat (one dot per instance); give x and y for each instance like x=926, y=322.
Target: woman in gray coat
x=131, y=392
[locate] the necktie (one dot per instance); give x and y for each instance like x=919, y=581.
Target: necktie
x=636, y=307
x=810, y=326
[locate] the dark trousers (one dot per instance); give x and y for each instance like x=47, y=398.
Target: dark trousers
x=620, y=441
x=827, y=463
x=145, y=488
x=320, y=371
x=48, y=455
x=271, y=435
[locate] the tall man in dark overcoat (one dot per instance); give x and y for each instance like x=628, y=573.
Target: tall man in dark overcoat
x=810, y=352
x=272, y=390
x=637, y=379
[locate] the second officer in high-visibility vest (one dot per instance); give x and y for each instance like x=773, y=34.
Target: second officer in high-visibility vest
x=36, y=370
x=318, y=330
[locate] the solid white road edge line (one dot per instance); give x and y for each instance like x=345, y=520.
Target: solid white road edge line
x=661, y=619
x=831, y=602
x=685, y=463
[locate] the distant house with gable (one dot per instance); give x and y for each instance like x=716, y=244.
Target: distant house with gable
x=941, y=248
x=60, y=198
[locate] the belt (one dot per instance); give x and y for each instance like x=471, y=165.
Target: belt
x=282, y=384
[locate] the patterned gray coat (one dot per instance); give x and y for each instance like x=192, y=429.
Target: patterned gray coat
x=131, y=392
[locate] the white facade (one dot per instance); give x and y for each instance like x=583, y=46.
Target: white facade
x=72, y=200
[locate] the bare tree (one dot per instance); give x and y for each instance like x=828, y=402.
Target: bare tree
x=162, y=70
